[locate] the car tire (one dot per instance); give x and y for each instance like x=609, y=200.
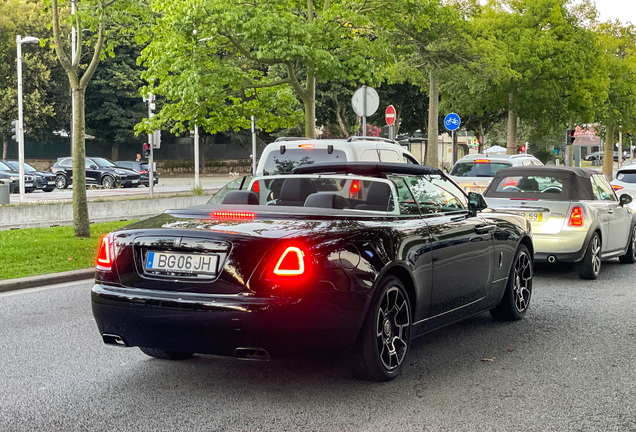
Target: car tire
x=61, y=182
x=516, y=298
x=49, y=189
x=590, y=266
x=384, y=340
x=135, y=185
x=108, y=182
x=164, y=354
x=630, y=256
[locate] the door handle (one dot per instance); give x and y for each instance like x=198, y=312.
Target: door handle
x=485, y=229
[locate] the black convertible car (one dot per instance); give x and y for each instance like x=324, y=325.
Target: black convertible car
x=341, y=256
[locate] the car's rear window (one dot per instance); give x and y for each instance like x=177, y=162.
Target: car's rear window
x=278, y=163
x=144, y=166
x=478, y=168
x=627, y=176
x=531, y=184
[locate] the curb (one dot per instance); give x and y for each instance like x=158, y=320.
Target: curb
x=47, y=279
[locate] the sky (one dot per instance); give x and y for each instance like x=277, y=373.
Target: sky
x=624, y=10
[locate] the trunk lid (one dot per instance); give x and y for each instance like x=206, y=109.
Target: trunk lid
x=546, y=217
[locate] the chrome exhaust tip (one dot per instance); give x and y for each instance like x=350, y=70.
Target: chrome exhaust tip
x=110, y=339
x=253, y=354
x=552, y=259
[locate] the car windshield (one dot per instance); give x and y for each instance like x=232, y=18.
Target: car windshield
x=101, y=162
x=5, y=167
x=144, y=166
x=278, y=163
x=478, y=168
x=16, y=166
x=627, y=176
x=521, y=185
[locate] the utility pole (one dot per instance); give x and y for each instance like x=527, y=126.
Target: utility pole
x=73, y=53
x=253, y=145
x=151, y=168
x=197, y=181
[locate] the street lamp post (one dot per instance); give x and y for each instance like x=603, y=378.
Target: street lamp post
x=19, y=41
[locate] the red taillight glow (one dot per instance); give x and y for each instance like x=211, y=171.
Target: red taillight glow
x=306, y=146
x=255, y=187
x=291, y=262
x=232, y=215
x=143, y=172
x=104, y=255
x=355, y=188
x=482, y=160
x=617, y=187
x=576, y=217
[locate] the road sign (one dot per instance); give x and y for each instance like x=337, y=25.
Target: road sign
x=389, y=115
x=372, y=101
x=452, y=121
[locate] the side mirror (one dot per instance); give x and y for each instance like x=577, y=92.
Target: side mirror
x=476, y=202
x=625, y=199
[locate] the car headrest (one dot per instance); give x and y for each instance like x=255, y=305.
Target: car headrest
x=327, y=200
x=296, y=189
x=240, y=197
x=379, y=194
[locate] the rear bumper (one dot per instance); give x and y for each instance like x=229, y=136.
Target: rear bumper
x=218, y=324
x=566, y=246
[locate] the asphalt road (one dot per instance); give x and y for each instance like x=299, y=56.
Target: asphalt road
x=167, y=185
x=570, y=365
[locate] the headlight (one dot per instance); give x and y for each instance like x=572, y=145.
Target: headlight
x=11, y=178
x=120, y=172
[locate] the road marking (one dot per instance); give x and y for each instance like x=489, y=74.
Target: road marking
x=45, y=288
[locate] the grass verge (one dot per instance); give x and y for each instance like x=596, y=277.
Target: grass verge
x=36, y=251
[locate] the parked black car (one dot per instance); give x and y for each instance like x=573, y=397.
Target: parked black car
x=42, y=179
x=8, y=173
x=99, y=171
x=352, y=256
x=142, y=169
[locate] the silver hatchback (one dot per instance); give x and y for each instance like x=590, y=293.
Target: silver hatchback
x=574, y=213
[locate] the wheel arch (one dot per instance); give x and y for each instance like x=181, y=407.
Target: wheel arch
x=527, y=242
x=400, y=271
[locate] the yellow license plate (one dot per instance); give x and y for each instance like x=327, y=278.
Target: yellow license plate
x=531, y=216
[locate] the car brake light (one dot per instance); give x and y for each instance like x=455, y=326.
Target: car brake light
x=104, y=255
x=255, y=187
x=576, y=217
x=355, y=188
x=482, y=160
x=617, y=187
x=306, y=146
x=143, y=172
x=232, y=215
x=291, y=262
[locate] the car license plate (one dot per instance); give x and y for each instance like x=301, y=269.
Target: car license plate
x=52, y=182
x=531, y=216
x=475, y=189
x=135, y=181
x=181, y=263
x=28, y=184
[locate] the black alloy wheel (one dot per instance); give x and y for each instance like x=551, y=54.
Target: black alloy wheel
x=61, y=182
x=590, y=266
x=630, y=256
x=108, y=182
x=516, y=299
x=383, y=344
x=164, y=354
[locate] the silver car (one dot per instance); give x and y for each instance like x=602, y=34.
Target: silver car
x=574, y=213
x=625, y=182
x=473, y=173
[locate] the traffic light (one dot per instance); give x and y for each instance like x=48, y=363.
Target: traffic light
x=146, y=150
x=570, y=137
x=14, y=130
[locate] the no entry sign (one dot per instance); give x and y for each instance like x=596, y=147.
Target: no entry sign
x=389, y=115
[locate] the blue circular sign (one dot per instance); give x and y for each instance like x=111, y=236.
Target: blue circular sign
x=452, y=122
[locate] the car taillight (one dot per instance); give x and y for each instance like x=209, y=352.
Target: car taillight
x=105, y=254
x=290, y=263
x=143, y=172
x=232, y=215
x=256, y=188
x=306, y=146
x=354, y=190
x=576, y=217
x=617, y=187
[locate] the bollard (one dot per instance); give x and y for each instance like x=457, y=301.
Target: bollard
x=4, y=192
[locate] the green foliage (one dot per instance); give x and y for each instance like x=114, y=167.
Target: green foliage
x=197, y=190
x=34, y=251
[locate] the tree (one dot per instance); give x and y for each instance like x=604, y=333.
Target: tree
x=218, y=63
x=99, y=17
x=40, y=91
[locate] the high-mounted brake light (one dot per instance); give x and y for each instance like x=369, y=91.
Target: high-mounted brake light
x=617, y=187
x=306, y=146
x=482, y=160
x=232, y=215
x=355, y=188
x=291, y=262
x=104, y=255
x=576, y=217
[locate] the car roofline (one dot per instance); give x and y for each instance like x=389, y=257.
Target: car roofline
x=373, y=169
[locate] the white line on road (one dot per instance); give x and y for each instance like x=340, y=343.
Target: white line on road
x=45, y=288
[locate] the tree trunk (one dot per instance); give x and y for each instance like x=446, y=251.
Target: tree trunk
x=608, y=157
x=310, y=106
x=432, y=156
x=511, y=146
x=5, y=145
x=114, y=152
x=80, y=205
x=341, y=124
